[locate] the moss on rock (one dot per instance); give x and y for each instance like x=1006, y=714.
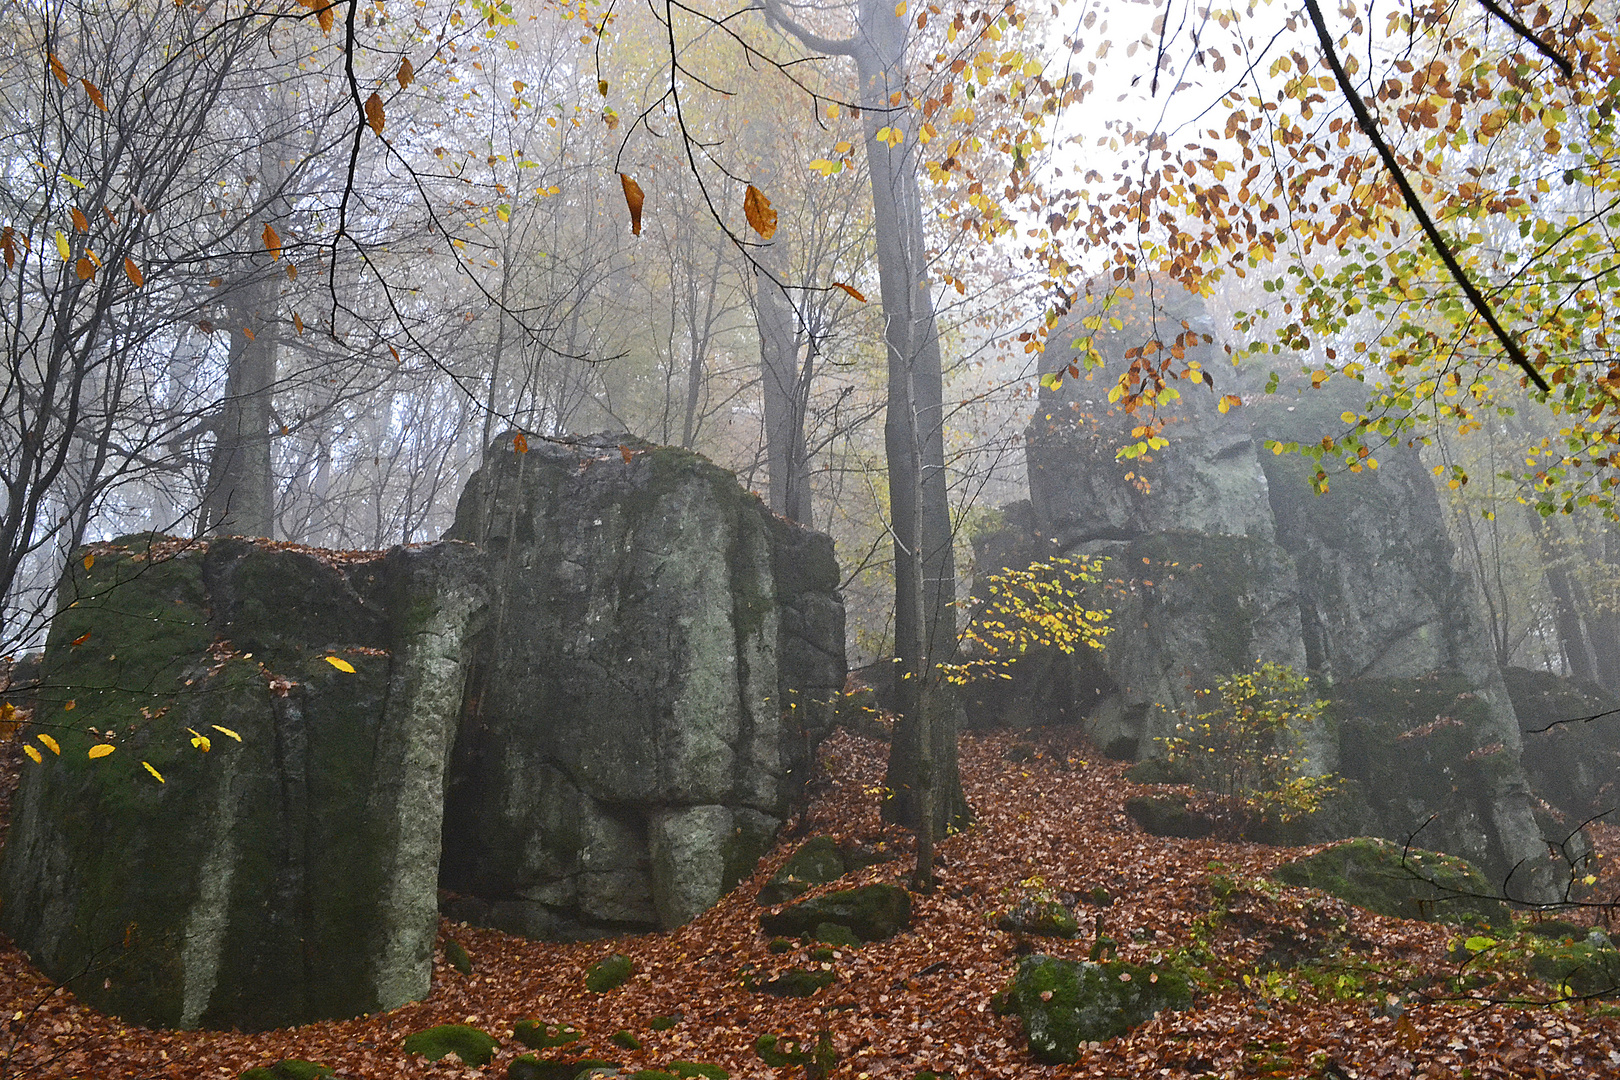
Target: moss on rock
x=1047, y=918
x=474, y=1047
x=609, y=973
x=1168, y=815
x=872, y=912
x=1064, y=1003
x=817, y=861
x=1406, y=883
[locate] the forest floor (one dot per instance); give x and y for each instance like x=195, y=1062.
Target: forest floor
x=1049, y=818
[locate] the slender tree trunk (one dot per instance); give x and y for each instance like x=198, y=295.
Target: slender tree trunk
x=239, y=497
x=1567, y=601
x=785, y=389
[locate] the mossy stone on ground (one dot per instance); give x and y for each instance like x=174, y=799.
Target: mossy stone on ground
x=1064, y=1003
x=831, y=933
x=538, y=1035
x=704, y=1069
x=872, y=912
x=474, y=1047
x=1588, y=966
x=1047, y=918
x=816, y=862
x=529, y=1067
x=1406, y=883
x=289, y=1069
x=1168, y=816
x=607, y=974
x=795, y=982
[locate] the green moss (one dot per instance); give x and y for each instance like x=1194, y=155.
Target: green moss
x=688, y=1069
x=664, y=1023
x=1168, y=816
x=529, y=1067
x=1064, y=1004
x=609, y=973
x=1587, y=967
x=457, y=957
x=779, y=1053
x=780, y=945
x=474, y=1047
x=872, y=912
x=538, y=1035
x=816, y=862
x=1047, y=918
x=624, y=1039
x=794, y=982
x=289, y=1069
x=831, y=933
x=653, y=1074
x=1405, y=883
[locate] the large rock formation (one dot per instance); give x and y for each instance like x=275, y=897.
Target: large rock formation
x=1221, y=557
x=623, y=759
x=582, y=707
x=271, y=880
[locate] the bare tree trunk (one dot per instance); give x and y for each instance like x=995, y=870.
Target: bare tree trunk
x=239, y=498
x=785, y=386
x=914, y=437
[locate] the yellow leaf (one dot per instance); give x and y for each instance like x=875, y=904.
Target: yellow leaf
x=406, y=74
x=602, y=87
x=374, y=112
x=634, y=199
x=341, y=664
x=35, y=754
x=200, y=741
x=272, y=241
x=900, y=10
x=154, y=772
x=757, y=208
x=850, y=290
x=133, y=272
x=227, y=732
x=101, y=750
x=62, y=248
x=89, y=561
x=50, y=744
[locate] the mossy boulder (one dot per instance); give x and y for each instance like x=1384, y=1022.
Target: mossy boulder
x=288, y=874
x=289, y=1069
x=871, y=912
x=831, y=933
x=1168, y=815
x=1406, y=883
x=817, y=861
x=1064, y=1003
x=538, y=1035
x=1575, y=767
x=707, y=1070
x=609, y=973
x=795, y=982
x=530, y=1067
x=1588, y=966
x=1046, y=918
x=472, y=1046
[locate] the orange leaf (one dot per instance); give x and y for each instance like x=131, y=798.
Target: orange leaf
x=85, y=269
x=406, y=74
x=133, y=272
x=633, y=198
x=73, y=703
x=81, y=639
x=80, y=222
x=58, y=70
x=95, y=94
x=298, y=323
x=394, y=352
x=325, y=15
x=292, y=271
x=206, y=327
x=272, y=241
x=374, y=112
x=247, y=332
x=8, y=246
x=626, y=453
x=757, y=208
x=89, y=561
x=520, y=444
x=849, y=289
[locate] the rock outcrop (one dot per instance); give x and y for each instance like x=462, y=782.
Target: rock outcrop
x=1221, y=557
x=577, y=700
x=288, y=873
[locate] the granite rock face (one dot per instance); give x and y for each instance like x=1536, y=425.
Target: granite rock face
x=623, y=759
x=268, y=881
x=574, y=723
x=1221, y=557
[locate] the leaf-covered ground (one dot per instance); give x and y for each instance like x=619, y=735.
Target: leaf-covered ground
x=1348, y=994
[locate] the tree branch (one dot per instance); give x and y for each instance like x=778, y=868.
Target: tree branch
x=1542, y=46
x=1369, y=127
x=775, y=12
